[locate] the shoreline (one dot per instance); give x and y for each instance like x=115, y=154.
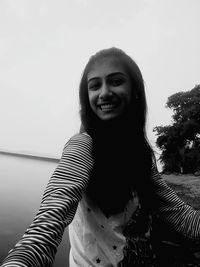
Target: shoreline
x=29, y=156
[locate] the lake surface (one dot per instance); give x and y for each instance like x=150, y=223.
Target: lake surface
x=23, y=181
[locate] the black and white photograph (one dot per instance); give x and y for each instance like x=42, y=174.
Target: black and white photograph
x=99, y=133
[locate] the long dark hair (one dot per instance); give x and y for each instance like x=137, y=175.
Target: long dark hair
x=122, y=154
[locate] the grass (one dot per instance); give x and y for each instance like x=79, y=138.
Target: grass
x=187, y=188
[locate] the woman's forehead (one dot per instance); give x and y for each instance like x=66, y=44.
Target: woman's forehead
x=105, y=65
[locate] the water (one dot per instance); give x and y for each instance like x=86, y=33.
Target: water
x=23, y=181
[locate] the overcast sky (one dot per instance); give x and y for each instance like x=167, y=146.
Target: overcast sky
x=45, y=44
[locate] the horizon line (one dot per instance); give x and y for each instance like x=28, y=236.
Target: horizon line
x=30, y=156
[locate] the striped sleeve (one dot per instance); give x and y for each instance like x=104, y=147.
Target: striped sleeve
x=39, y=244
x=180, y=216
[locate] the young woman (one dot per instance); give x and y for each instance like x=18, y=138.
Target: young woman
x=106, y=186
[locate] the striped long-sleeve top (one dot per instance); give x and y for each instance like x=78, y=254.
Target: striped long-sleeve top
x=65, y=192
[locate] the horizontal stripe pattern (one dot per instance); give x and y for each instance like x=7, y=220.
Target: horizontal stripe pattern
x=180, y=216
x=39, y=244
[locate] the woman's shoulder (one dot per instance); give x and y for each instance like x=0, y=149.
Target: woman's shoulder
x=81, y=140
x=81, y=137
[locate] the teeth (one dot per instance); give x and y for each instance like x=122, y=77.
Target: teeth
x=107, y=106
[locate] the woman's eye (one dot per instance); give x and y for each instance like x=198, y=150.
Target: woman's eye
x=93, y=86
x=116, y=82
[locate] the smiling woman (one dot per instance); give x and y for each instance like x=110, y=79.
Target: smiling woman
x=106, y=186
x=109, y=88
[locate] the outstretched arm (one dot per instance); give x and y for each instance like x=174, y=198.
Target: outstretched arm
x=177, y=214
x=38, y=246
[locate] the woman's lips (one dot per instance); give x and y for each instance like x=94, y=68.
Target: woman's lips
x=107, y=106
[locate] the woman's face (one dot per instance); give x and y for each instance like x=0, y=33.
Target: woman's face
x=109, y=88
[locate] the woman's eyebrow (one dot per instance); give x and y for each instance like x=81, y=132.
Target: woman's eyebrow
x=92, y=79
x=109, y=75
x=116, y=73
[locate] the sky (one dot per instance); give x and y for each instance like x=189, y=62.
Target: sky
x=45, y=44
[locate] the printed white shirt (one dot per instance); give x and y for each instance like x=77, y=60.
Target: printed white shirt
x=95, y=239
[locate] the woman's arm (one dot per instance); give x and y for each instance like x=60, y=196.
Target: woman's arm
x=178, y=215
x=39, y=244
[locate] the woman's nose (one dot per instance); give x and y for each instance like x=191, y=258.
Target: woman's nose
x=105, y=91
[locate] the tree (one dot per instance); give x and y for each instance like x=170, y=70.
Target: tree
x=180, y=142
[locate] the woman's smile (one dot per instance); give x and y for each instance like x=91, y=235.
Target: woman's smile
x=106, y=107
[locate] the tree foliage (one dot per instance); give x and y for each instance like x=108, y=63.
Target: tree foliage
x=180, y=142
